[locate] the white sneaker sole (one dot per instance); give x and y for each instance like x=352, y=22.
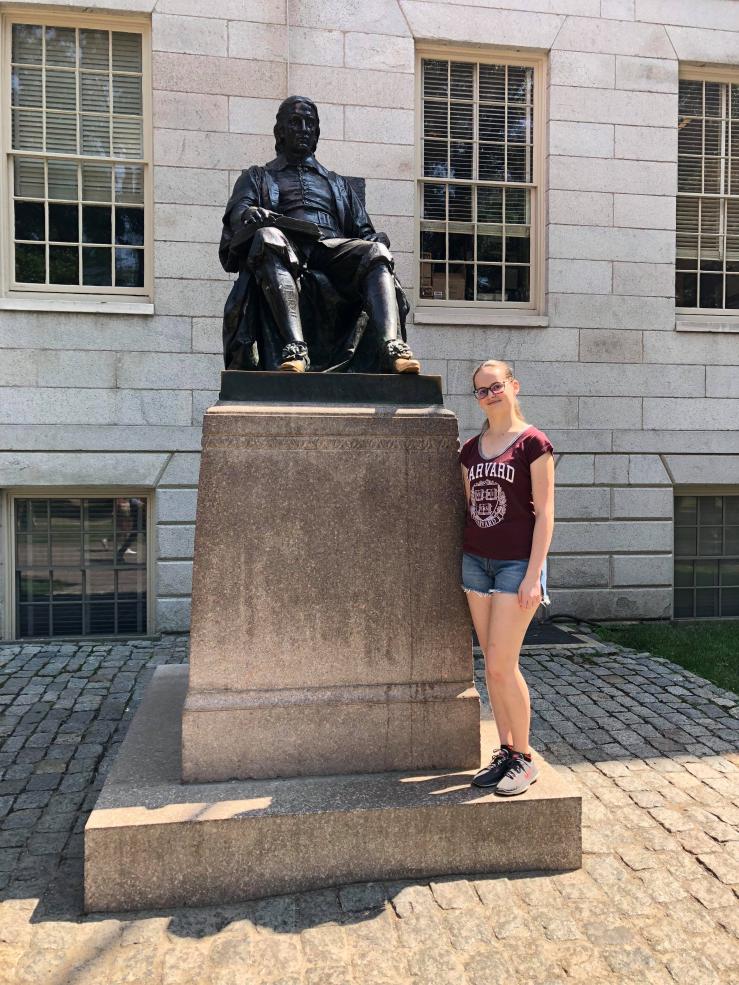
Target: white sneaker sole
x=513, y=793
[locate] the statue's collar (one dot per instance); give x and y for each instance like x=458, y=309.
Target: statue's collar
x=281, y=162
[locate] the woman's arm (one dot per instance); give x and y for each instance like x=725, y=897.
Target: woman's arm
x=542, y=493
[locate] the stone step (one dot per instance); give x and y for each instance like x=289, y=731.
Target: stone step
x=152, y=841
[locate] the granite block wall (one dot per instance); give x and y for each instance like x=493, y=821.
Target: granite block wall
x=637, y=401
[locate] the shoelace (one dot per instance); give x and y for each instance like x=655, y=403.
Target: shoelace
x=498, y=758
x=518, y=765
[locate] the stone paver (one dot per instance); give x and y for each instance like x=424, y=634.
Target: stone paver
x=653, y=749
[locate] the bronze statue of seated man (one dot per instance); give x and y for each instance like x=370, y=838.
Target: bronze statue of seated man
x=319, y=293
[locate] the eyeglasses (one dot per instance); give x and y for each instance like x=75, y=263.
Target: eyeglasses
x=494, y=389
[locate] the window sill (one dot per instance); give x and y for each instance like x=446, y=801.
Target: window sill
x=480, y=316
x=707, y=323
x=78, y=306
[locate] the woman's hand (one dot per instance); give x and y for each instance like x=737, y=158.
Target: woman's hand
x=529, y=592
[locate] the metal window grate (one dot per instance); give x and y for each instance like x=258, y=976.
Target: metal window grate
x=80, y=567
x=707, y=262
x=477, y=181
x=706, y=557
x=77, y=159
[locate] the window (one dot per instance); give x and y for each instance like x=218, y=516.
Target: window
x=706, y=556
x=80, y=566
x=707, y=268
x=477, y=181
x=77, y=160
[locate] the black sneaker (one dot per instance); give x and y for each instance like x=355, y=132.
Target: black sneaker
x=490, y=775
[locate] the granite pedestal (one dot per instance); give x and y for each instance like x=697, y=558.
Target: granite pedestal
x=329, y=633
x=153, y=841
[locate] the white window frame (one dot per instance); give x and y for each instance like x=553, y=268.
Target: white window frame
x=74, y=492
x=529, y=313
x=706, y=319
x=60, y=297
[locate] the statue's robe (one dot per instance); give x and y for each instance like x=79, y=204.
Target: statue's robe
x=334, y=323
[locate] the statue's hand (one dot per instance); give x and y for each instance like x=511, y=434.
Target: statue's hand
x=257, y=214
x=381, y=238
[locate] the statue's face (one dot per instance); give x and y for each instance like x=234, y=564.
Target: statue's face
x=300, y=131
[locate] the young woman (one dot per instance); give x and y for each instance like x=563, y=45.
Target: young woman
x=508, y=473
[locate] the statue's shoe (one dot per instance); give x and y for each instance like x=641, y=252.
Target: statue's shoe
x=293, y=366
x=405, y=364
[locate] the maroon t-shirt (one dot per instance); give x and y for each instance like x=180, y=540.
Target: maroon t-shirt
x=500, y=516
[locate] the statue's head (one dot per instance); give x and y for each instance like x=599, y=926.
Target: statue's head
x=297, y=128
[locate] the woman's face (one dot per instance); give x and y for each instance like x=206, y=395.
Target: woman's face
x=489, y=376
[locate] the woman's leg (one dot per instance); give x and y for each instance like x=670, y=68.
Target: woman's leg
x=506, y=631
x=481, y=607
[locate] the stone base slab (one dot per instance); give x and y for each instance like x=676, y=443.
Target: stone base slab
x=294, y=732
x=152, y=841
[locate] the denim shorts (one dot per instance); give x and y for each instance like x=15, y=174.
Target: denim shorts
x=487, y=576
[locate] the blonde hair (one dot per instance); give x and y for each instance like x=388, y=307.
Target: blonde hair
x=507, y=375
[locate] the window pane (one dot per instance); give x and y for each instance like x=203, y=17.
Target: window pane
x=25, y=87
x=706, y=573
x=97, y=266
x=61, y=46
x=436, y=79
x=691, y=97
x=28, y=177
x=94, y=93
x=30, y=222
x=460, y=202
x=61, y=132
x=517, y=283
x=30, y=264
x=517, y=246
x=461, y=77
x=710, y=509
x=686, y=290
x=33, y=586
x=706, y=602
x=435, y=159
x=730, y=602
x=731, y=509
x=519, y=163
x=461, y=282
x=129, y=227
x=490, y=246
x=684, y=603
x=491, y=162
x=684, y=574
x=686, y=510
x=434, y=202
x=710, y=541
x=63, y=223
x=685, y=541
x=492, y=123
x=94, y=50
x=126, y=52
x=64, y=520
x=96, y=224
x=128, y=138
x=489, y=204
x=95, y=135
x=96, y=182
x=433, y=281
x=100, y=584
x=63, y=265
x=489, y=283
x=492, y=83
x=520, y=84
x=27, y=44
x=711, y=291
x=67, y=582
x=33, y=620
x=129, y=268
x=433, y=246
x=63, y=180
x=436, y=120
x=61, y=90
x=460, y=164
x=729, y=573
x=127, y=95
x=731, y=545
x=461, y=246
x=28, y=130
x=66, y=620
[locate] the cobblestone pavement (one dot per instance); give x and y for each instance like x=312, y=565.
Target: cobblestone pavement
x=654, y=750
